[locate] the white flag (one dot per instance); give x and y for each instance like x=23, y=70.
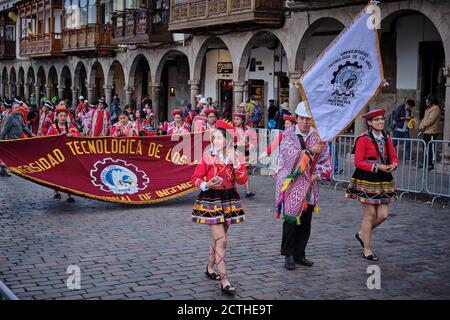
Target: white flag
x=343, y=80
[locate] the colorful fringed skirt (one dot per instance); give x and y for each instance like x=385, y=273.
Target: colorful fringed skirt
x=218, y=206
x=372, y=187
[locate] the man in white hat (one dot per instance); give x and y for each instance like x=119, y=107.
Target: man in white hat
x=302, y=196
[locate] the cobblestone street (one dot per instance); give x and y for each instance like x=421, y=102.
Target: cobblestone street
x=155, y=252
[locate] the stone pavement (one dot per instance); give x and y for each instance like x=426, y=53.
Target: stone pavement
x=154, y=252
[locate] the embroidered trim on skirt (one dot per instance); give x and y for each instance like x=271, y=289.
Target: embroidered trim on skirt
x=218, y=206
x=372, y=188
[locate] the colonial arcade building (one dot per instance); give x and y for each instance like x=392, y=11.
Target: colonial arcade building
x=173, y=50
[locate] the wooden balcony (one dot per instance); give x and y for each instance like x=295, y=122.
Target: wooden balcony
x=136, y=26
x=197, y=16
x=88, y=40
x=44, y=45
x=7, y=49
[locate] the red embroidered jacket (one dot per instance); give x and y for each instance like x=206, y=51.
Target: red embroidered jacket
x=211, y=166
x=53, y=130
x=367, y=157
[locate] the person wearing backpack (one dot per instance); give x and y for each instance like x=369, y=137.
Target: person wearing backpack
x=401, y=116
x=256, y=116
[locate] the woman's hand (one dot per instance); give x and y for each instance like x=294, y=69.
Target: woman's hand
x=214, y=182
x=383, y=168
x=391, y=167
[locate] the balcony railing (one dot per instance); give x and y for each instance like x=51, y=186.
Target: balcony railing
x=89, y=38
x=140, y=26
x=188, y=15
x=7, y=49
x=44, y=45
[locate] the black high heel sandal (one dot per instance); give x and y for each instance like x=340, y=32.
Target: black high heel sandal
x=228, y=289
x=371, y=257
x=212, y=275
x=359, y=239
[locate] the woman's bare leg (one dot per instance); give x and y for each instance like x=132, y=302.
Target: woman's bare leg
x=366, y=226
x=219, y=234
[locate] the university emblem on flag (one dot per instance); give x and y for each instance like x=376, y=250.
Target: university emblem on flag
x=346, y=79
x=118, y=176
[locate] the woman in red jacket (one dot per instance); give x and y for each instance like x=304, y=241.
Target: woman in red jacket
x=61, y=126
x=372, y=182
x=218, y=204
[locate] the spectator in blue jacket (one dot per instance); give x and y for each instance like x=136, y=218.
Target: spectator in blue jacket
x=402, y=115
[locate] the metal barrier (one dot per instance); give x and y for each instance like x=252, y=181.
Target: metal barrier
x=342, y=159
x=6, y=293
x=409, y=176
x=265, y=139
x=438, y=179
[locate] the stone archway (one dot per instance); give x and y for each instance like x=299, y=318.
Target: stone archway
x=65, y=84
x=213, y=67
x=4, y=92
x=115, y=82
x=263, y=70
x=52, y=84
x=139, y=80
x=172, y=73
x=41, y=81
x=12, y=82
x=30, y=83
x=21, y=82
x=96, y=82
x=79, y=87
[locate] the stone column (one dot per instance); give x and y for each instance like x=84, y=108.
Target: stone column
x=90, y=91
x=447, y=114
x=74, y=97
x=294, y=91
x=11, y=86
x=61, y=92
x=38, y=95
x=128, y=95
x=19, y=87
x=156, y=87
x=195, y=90
x=108, y=94
x=48, y=92
x=2, y=90
x=360, y=123
x=27, y=90
x=238, y=88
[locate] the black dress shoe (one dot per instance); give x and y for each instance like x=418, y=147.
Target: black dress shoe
x=304, y=262
x=249, y=195
x=289, y=262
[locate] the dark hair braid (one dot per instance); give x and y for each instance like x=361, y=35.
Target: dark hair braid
x=59, y=130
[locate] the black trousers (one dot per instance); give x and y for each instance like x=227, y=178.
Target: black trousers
x=428, y=138
x=295, y=237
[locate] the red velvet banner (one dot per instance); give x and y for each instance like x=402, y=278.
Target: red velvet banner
x=126, y=170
